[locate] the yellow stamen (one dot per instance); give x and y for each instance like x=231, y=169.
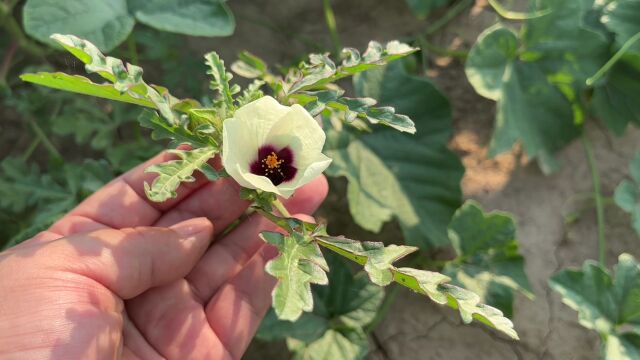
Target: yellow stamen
x=272, y=161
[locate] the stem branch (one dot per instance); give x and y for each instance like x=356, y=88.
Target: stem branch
x=595, y=178
x=614, y=59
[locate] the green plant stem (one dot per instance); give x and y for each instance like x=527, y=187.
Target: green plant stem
x=281, y=208
x=32, y=147
x=9, y=23
x=133, y=49
x=43, y=138
x=330, y=18
x=451, y=14
x=614, y=59
x=595, y=178
x=514, y=15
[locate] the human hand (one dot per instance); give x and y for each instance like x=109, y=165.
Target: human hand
x=120, y=276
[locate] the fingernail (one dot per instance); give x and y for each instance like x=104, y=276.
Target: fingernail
x=188, y=229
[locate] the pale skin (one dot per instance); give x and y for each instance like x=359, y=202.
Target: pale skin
x=123, y=277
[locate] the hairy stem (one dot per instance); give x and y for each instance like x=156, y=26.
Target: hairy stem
x=514, y=15
x=597, y=192
x=451, y=14
x=281, y=208
x=330, y=18
x=614, y=59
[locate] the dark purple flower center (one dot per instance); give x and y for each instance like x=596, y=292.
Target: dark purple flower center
x=277, y=165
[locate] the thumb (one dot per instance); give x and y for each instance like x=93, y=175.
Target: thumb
x=130, y=261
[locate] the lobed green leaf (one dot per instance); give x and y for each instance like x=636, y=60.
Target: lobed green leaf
x=627, y=194
x=606, y=302
x=177, y=133
x=105, y=23
x=377, y=261
x=299, y=265
x=172, y=173
x=317, y=101
x=321, y=70
x=488, y=262
x=190, y=17
x=342, y=309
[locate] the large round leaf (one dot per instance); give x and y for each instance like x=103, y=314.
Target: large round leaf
x=105, y=23
x=189, y=17
x=414, y=178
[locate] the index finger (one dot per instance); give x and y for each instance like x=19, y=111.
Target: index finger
x=123, y=203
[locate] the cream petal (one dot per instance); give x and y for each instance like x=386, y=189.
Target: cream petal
x=260, y=182
x=259, y=117
x=320, y=164
x=301, y=132
x=236, y=149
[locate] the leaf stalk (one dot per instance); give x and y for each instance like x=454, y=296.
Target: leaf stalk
x=597, y=192
x=614, y=59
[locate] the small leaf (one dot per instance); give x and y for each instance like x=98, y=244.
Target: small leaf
x=604, y=302
x=321, y=70
x=221, y=78
x=348, y=304
x=105, y=23
x=190, y=17
x=488, y=60
x=614, y=101
x=125, y=78
x=178, y=134
x=607, y=303
x=376, y=258
x=251, y=93
x=487, y=255
x=249, y=66
x=82, y=85
x=346, y=345
x=435, y=286
x=172, y=173
x=299, y=265
x=627, y=194
x=317, y=101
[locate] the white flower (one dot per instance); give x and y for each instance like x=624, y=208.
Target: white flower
x=272, y=147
